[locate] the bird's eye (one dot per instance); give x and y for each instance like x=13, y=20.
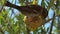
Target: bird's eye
x=26, y=16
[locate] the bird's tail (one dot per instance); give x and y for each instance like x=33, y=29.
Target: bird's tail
x=12, y=5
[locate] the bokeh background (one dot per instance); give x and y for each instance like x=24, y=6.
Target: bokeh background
x=11, y=20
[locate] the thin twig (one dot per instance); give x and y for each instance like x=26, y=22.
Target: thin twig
x=52, y=24
x=48, y=20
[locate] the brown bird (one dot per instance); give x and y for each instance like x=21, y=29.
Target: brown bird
x=34, y=14
x=30, y=10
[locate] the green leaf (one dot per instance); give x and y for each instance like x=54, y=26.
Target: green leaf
x=43, y=3
x=2, y=2
x=1, y=16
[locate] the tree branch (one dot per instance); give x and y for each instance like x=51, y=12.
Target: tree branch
x=52, y=24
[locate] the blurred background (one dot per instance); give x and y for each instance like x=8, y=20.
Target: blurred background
x=11, y=20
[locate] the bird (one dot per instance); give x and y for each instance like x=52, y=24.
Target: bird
x=30, y=10
x=34, y=14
